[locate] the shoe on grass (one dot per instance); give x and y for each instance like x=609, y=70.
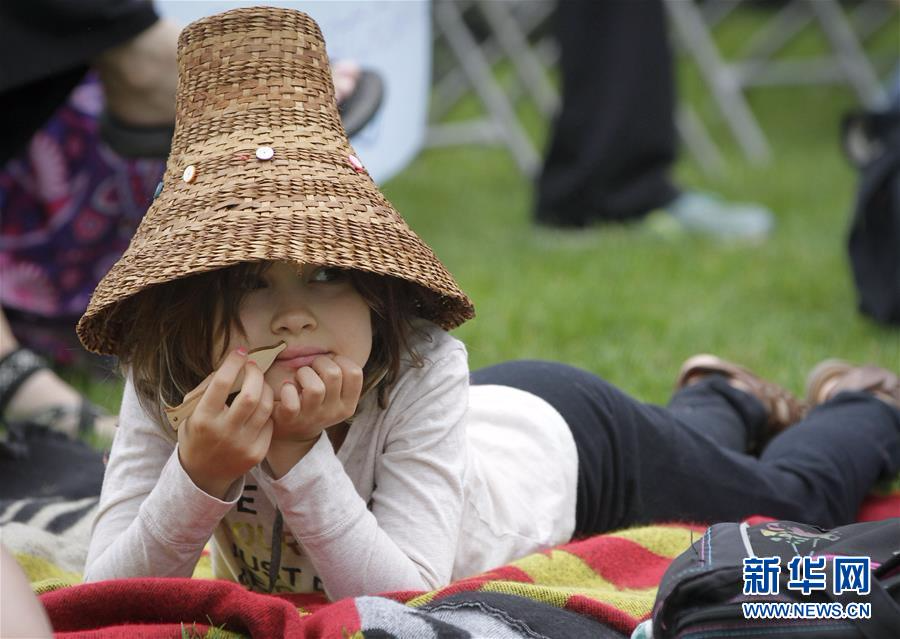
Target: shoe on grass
x=834, y=376
x=706, y=214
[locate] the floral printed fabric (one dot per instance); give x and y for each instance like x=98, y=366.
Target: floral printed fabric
x=68, y=208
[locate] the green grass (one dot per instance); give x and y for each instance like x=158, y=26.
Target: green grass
x=631, y=306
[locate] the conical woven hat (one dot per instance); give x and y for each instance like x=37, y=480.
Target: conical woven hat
x=260, y=169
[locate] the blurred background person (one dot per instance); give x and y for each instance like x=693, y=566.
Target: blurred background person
x=91, y=111
x=613, y=143
x=68, y=203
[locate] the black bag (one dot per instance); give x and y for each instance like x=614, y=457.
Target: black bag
x=872, y=142
x=702, y=592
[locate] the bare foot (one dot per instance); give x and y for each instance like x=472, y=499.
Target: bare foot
x=40, y=391
x=44, y=391
x=345, y=74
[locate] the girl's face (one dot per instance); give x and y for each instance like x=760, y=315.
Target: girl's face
x=314, y=310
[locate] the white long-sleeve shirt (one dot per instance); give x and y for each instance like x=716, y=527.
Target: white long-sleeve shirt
x=448, y=481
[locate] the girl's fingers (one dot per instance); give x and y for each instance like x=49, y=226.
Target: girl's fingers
x=312, y=388
x=290, y=397
x=214, y=398
x=263, y=410
x=351, y=379
x=247, y=400
x=289, y=406
x=330, y=374
x=259, y=445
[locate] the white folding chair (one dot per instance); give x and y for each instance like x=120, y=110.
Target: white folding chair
x=757, y=65
x=509, y=24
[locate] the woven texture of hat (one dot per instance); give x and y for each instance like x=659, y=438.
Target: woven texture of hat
x=251, y=78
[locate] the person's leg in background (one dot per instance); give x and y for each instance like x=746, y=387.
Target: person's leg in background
x=30, y=391
x=68, y=204
x=613, y=144
x=613, y=141
x=124, y=40
x=39, y=391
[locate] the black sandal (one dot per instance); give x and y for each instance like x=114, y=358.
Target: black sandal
x=358, y=108
x=15, y=368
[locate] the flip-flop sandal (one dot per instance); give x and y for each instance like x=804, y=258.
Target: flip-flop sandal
x=358, y=108
x=15, y=368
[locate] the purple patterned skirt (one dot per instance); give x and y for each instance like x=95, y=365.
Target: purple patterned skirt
x=68, y=208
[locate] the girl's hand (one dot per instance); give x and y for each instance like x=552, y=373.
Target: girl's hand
x=329, y=393
x=219, y=443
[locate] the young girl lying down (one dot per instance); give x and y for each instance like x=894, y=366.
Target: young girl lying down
x=293, y=393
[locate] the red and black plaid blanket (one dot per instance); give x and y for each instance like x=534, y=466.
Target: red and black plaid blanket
x=601, y=586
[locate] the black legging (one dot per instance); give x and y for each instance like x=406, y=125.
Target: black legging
x=639, y=463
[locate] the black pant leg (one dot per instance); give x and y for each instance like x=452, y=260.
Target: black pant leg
x=613, y=142
x=833, y=457
x=716, y=409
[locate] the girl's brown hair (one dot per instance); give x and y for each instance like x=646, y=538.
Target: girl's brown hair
x=176, y=326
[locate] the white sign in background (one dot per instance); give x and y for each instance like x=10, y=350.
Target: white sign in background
x=391, y=37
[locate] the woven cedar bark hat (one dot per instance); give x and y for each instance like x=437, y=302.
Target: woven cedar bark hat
x=260, y=169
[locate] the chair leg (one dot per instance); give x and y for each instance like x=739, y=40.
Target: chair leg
x=721, y=79
x=523, y=58
x=857, y=70
x=465, y=48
